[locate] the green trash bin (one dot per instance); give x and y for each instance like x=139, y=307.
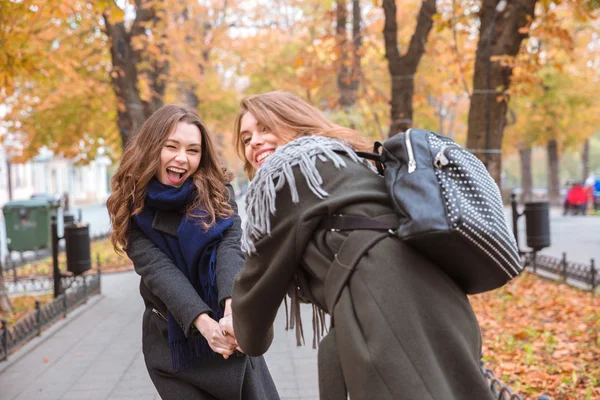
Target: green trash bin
x=28, y=224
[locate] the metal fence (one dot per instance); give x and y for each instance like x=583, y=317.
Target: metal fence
x=14, y=336
x=500, y=391
x=568, y=271
x=10, y=264
x=39, y=278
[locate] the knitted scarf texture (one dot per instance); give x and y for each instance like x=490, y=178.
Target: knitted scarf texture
x=194, y=252
x=277, y=171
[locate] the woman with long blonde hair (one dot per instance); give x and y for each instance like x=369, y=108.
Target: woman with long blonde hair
x=172, y=211
x=401, y=329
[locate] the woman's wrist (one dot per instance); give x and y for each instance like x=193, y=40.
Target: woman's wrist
x=203, y=322
x=227, y=311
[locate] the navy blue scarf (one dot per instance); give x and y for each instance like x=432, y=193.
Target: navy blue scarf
x=193, y=251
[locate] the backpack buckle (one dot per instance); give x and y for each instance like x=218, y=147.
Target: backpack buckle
x=336, y=216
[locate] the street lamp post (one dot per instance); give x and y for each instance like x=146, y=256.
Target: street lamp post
x=9, y=178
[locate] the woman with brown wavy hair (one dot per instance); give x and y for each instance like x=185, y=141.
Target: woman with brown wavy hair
x=172, y=211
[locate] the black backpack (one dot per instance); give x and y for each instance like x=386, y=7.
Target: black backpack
x=449, y=206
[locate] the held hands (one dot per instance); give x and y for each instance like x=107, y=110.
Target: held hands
x=226, y=323
x=220, y=337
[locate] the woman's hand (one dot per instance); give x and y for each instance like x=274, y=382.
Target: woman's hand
x=226, y=323
x=218, y=341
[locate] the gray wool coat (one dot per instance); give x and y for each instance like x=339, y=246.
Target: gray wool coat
x=402, y=329
x=164, y=289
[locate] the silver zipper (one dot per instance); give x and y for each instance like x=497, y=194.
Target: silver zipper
x=412, y=163
x=441, y=160
x=158, y=313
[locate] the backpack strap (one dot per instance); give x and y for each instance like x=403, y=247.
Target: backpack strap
x=356, y=245
x=339, y=222
x=375, y=157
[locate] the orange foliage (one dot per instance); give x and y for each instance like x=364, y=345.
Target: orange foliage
x=542, y=337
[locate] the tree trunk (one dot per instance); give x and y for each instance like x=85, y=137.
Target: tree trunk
x=526, y=174
x=402, y=68
x=585, y=160
x=500, y=34
x=187, y=85
x=553, y=175
x=132, y=110
x=356, y=49
x=344, y=77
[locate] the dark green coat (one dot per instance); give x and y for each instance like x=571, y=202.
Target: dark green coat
x=402, y=329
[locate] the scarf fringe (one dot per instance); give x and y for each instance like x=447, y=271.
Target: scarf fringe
x=210, y=290
x=298, y=292
x=277, y=171
x=189, y=352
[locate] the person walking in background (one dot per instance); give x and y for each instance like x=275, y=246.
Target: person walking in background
x=401, y=329
x=576, y=200
x=174, y=214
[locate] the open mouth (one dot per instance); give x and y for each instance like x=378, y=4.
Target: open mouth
x=261, y=157
x=175, y=175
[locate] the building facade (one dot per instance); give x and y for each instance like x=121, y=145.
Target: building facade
x=46, y=174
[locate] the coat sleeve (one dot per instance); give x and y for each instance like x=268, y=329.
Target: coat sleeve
x=162, y=277
x=230, y=257
x=262, y=284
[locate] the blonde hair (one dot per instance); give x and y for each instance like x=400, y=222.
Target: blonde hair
x=141, y=160
x=283, y=112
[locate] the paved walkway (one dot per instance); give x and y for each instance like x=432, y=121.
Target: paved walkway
x=95, y=353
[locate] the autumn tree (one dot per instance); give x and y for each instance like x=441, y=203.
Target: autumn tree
x=554, y=88
x=503, y=26
x=402, y=68
x=442, y=82
x=137, y=49
x=54, y=78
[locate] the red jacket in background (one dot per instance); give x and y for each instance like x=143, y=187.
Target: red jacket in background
x=577, y=195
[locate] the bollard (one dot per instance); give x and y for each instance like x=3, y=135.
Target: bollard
x=65, y=304
x=14, y=269
x=4, y=339
x=515, y=218
x=38, y=317
x=564, y=266
x=593, y=270
x=99, y=264
x=56, y=275
x=85, y=290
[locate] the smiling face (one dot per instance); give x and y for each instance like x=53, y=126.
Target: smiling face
x=259, y=141
x=180, y=155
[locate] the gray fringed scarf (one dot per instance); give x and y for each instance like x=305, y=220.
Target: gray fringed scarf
x=260, y=204
x=277, y=171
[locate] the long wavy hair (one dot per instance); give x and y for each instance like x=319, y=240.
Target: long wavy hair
x=141, y=161
x=278, y=109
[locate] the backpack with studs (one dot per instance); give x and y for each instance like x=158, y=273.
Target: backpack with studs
x=449, y=208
